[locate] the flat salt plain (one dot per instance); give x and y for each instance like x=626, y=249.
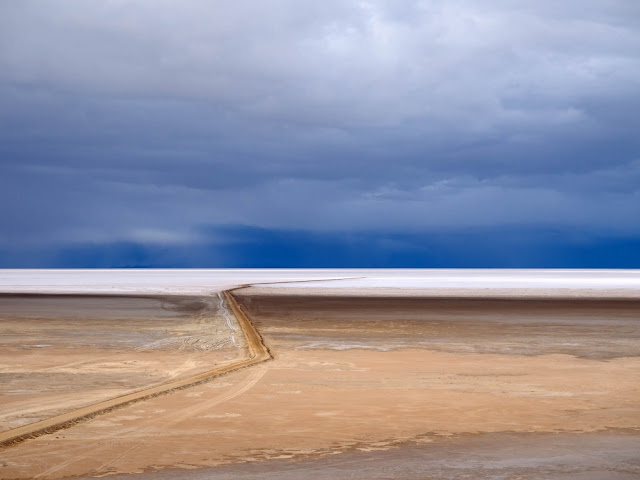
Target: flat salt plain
x=376, y=374
x=193, y=281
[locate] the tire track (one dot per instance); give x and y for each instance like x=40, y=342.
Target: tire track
x=257, y=353
x=164, y=423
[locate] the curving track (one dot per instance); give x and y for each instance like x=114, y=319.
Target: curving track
x=257, y=353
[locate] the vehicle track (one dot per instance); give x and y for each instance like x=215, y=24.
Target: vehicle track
x=257, y=353
x=165, y=422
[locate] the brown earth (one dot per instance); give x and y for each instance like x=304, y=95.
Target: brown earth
x=60, y=353
x=387, y=381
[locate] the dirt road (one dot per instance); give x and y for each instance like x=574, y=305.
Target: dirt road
x=257, y=352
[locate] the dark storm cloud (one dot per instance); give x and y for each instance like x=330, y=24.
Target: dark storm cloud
x=151, y=122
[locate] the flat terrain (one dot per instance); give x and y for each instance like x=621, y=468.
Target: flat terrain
x=387, y=387
x=63, y=352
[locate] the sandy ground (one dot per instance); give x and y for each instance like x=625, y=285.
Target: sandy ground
x=365, y=387
x=501, y=456
x=63, y=352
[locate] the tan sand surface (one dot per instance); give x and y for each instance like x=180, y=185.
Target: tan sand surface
x=356, y=375
x=58, y=353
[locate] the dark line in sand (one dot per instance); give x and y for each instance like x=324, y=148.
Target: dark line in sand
x=258, y=353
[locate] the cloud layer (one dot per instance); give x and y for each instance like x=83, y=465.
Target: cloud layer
x=162, y=124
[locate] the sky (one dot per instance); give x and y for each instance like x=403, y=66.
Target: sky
x=339, y=133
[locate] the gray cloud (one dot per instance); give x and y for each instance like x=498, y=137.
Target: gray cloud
x=147, y=121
